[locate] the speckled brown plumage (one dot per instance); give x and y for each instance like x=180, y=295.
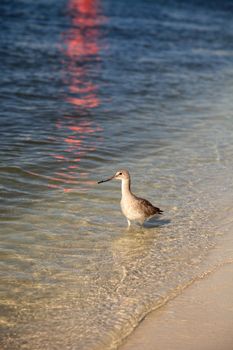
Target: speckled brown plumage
x=149, y=209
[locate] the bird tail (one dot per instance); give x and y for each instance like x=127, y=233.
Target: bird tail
x=158, y=211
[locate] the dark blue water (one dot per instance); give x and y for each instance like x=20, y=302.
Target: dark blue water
x=87, y=87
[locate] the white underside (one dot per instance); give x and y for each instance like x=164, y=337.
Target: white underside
x=130, y=206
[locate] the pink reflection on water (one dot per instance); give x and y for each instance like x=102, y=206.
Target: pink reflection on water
x=78, y=137
x=77, y=140
x=81, y=48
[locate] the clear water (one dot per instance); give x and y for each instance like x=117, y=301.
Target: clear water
x=89, y=87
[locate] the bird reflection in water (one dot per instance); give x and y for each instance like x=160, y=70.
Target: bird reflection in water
x=79, y=135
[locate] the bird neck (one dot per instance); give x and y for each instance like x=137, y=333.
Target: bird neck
x=125, y=187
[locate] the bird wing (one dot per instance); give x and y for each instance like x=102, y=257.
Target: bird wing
x=148, y=207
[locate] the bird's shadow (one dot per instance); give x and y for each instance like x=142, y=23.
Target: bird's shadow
x=152, y=223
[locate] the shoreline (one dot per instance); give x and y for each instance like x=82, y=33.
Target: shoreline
x=201, y=316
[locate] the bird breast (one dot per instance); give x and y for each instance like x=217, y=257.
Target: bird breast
x=131, y=208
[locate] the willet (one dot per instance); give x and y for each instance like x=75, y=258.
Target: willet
x=134, y=208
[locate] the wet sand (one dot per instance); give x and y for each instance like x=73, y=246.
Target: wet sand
x=201, y=317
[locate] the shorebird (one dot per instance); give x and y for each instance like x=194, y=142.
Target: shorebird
x=134, y=208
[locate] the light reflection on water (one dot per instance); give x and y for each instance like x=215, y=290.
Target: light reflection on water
x=80, y=135
x=80, y=139
x=82, y=46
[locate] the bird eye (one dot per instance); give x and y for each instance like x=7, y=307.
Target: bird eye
x=120, y=174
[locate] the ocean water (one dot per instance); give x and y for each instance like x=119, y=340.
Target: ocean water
x=88, y=87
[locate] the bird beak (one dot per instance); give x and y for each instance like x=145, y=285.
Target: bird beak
x=100, y=182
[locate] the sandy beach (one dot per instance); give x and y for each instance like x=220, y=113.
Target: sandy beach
x=201, y=317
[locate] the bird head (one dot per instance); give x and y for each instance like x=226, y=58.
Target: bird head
x=119, y=175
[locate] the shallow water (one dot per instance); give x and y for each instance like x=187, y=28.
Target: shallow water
x=87, y=88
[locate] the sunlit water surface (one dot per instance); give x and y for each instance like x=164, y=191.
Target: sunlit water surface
x=89, y=87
